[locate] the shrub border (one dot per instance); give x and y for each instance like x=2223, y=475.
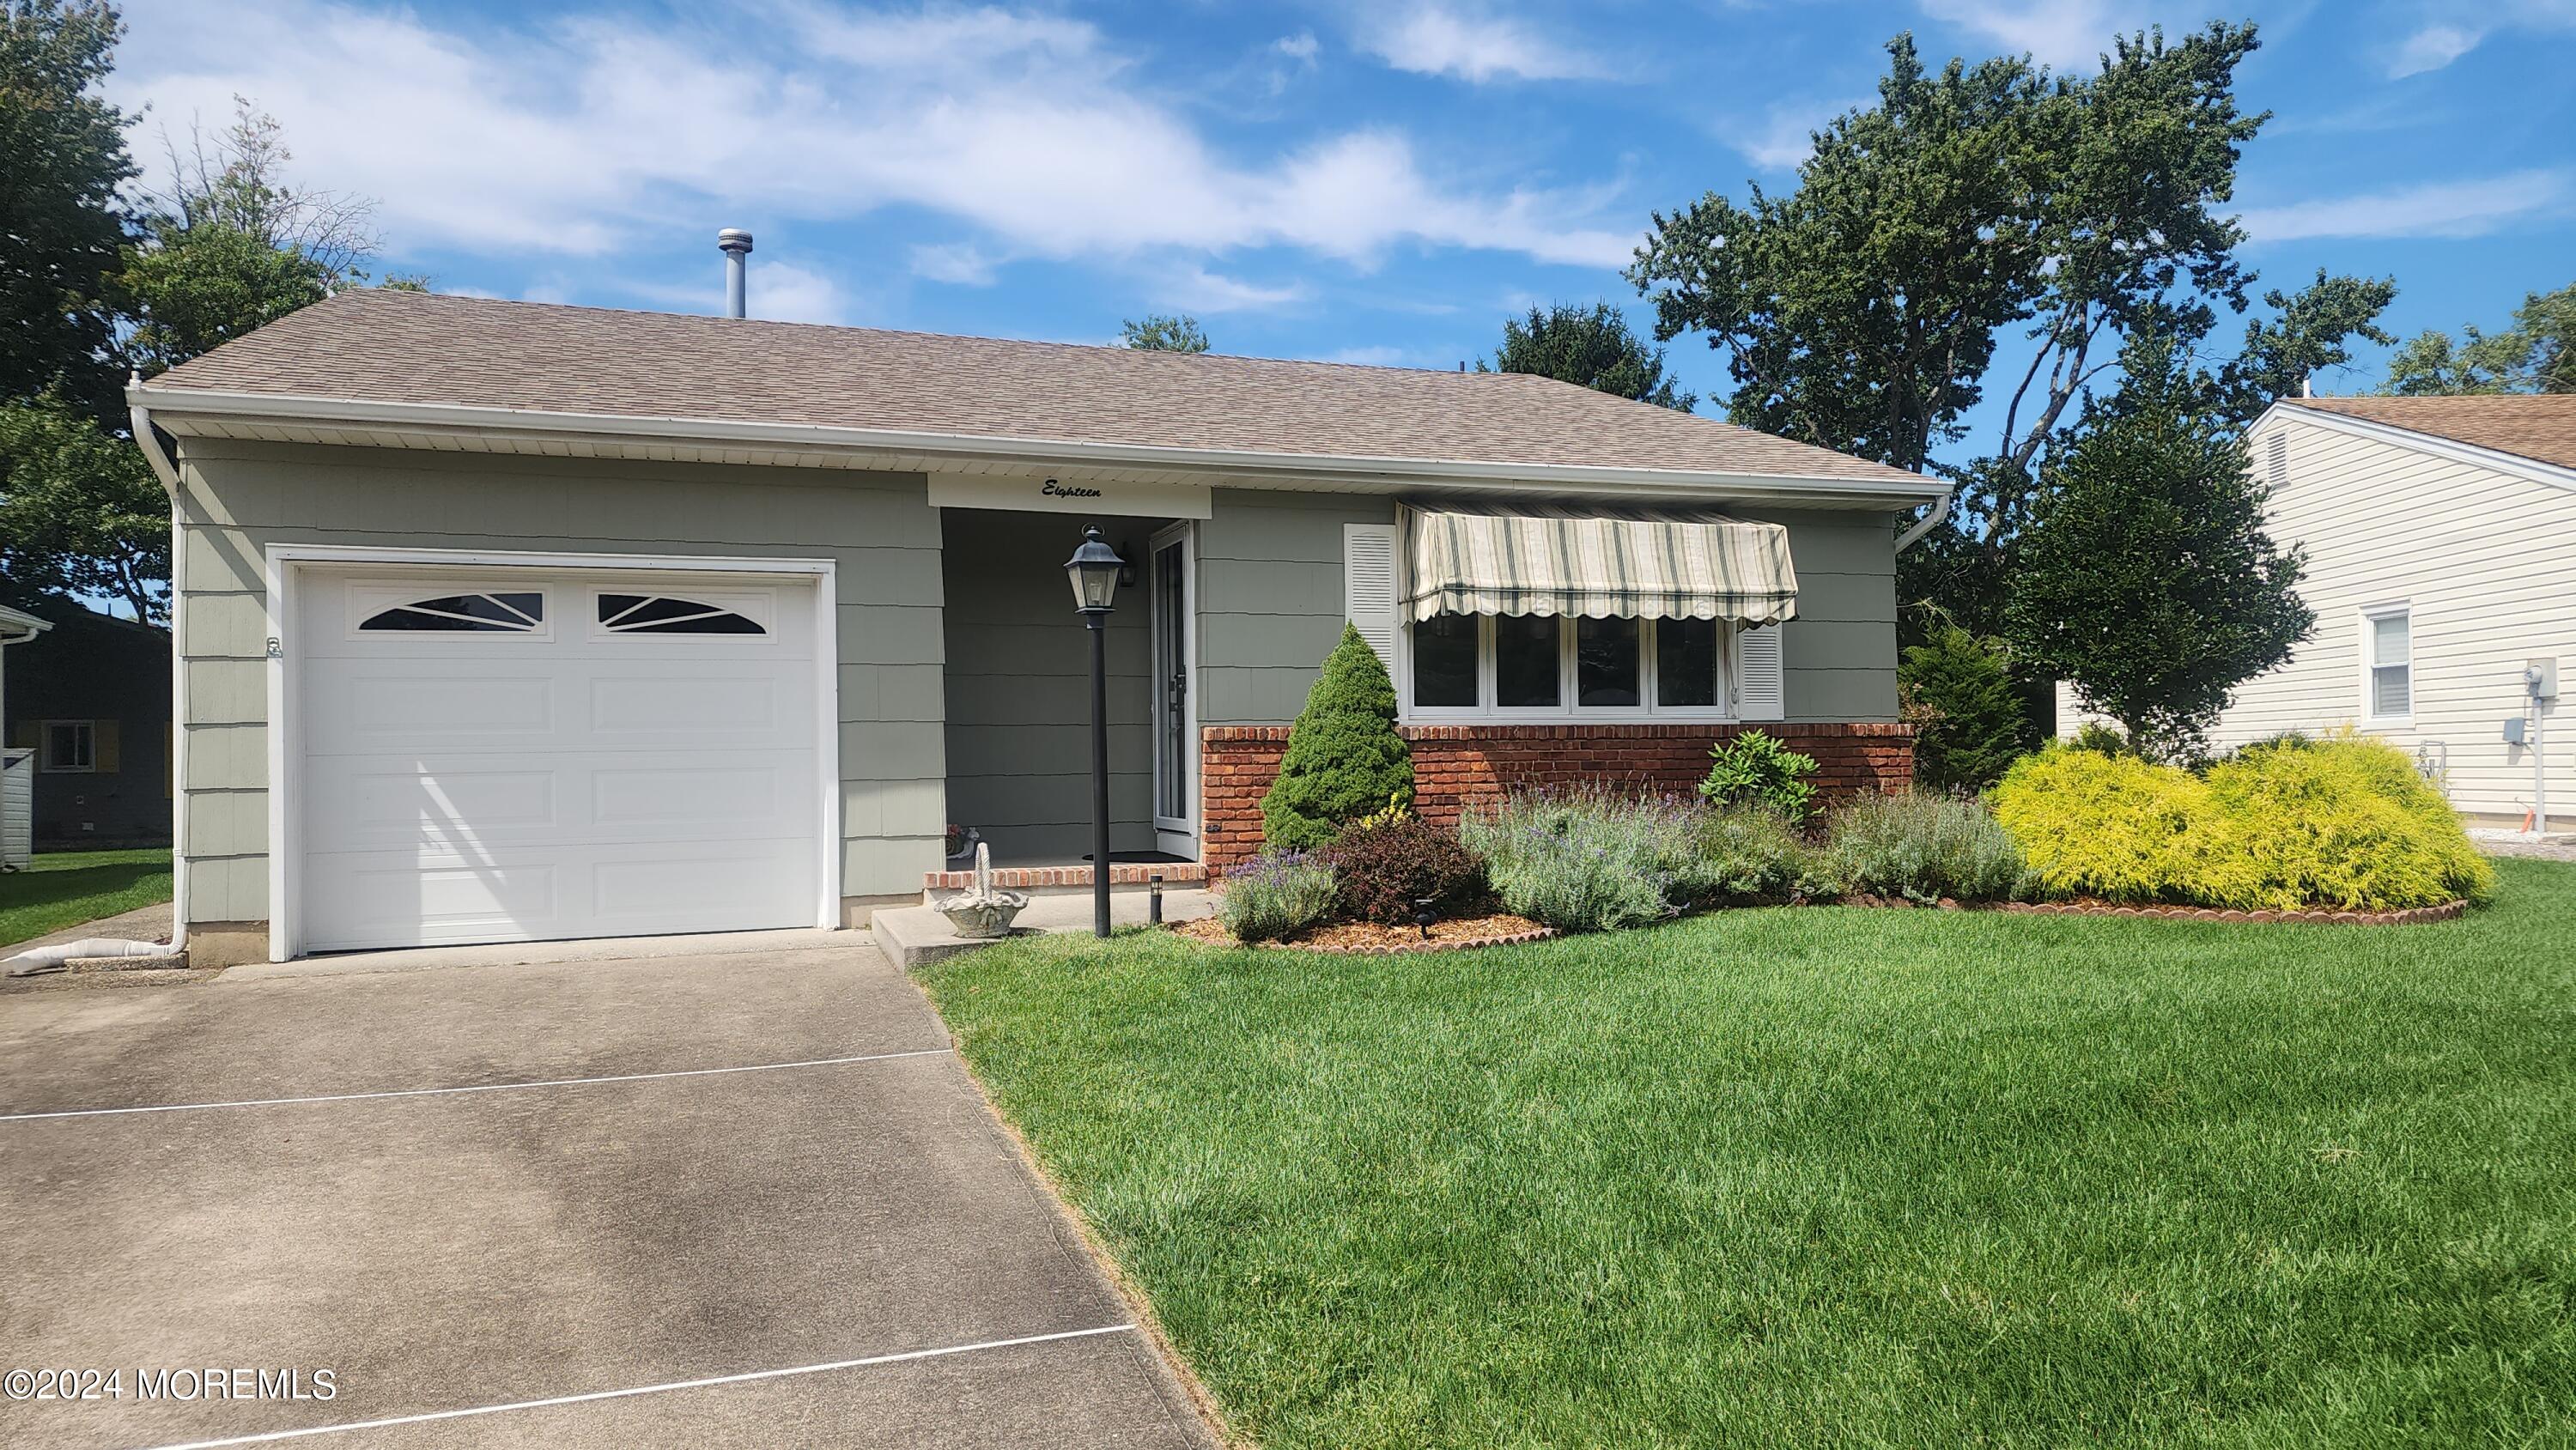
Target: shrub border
x=2412, y=916
x=1468, y=944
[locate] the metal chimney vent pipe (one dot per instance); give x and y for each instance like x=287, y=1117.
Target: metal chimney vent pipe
x=735, y=243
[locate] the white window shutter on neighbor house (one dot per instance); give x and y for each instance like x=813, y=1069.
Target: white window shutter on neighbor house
x=1759, y=694
x=1368, y=585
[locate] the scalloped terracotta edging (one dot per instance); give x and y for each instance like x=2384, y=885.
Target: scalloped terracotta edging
x=2412, y=916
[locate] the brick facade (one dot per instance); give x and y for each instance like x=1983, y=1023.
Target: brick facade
x=1455, y=766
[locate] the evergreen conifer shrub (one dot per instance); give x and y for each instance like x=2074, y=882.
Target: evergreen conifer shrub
x=1344, y=758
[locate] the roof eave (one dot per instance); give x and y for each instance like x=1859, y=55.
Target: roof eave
x=2435, y=444
x=172, y=407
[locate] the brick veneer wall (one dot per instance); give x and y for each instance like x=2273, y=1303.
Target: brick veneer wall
x=1457, y=765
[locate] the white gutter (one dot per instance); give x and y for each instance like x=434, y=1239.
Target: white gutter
x=1035, y=453
x=1926, y=524
x=167, y=471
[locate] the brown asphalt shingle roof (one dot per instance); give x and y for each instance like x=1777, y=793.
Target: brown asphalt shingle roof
x=409, y=347
x=2535, y=426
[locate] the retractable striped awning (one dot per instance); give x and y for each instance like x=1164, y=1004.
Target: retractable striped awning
x=1540, y=559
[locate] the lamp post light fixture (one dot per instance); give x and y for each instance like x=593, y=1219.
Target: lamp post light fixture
x=1094, y=570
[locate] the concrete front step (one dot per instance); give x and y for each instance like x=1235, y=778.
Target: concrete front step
x=915, y=936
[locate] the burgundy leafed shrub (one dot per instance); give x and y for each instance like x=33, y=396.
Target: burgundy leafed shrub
x=1380, y=869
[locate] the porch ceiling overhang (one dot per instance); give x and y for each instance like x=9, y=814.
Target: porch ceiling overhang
x=458, y=428
x=1540, y=560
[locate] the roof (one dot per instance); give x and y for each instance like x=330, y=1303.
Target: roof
x=16, y=625
x=408, y=350
x=2537, y=426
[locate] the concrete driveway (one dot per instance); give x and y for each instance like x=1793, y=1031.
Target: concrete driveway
x=743, y=1198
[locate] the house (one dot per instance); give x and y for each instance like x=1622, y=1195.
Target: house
x=515, y=621
x=90, y=702
x=2441, y=562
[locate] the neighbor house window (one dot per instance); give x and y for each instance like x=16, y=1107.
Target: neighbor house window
x=1551, y=667
x=69, y=745
x=2388, y=640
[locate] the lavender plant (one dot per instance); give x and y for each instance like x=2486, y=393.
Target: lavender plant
x=1274, y=895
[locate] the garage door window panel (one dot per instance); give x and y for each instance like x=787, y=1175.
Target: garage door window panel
x=664, y=614
x=499, y=612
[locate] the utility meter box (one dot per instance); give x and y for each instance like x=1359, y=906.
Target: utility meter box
x=2517, y=731
x=2544, y=678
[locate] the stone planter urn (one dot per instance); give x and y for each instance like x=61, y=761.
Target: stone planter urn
x=983, y=913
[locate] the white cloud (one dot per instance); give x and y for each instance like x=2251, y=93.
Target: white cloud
x=2432, y=48
x=1782, y=140
x=582, y=137
x=2436, y=209
x=2058, y=33
x=775, y=292
x=1196, y=289
x=1433, y=40
x=962, y=263
x=1301, y=46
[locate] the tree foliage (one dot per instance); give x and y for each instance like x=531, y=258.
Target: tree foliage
x=1994, y=234
x=2537, y=354
x=2147, y=578
x=1161, y=332
x=1591, y=347
x=1345, y=759
x=80, y=512
x=64, y=236
x=1965, y=708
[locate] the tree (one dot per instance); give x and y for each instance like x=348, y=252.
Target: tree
x=2147, y=578
x=2535, y=355
x=1589, y=347
x=1158, y=332
x=1866, y=310
x=1965, y=708
x=64, y=236
x=1345, y=759
x=231, y=246
x=80, y=512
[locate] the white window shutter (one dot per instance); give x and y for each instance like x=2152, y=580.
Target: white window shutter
x=1758, y=691
x=1368, y=585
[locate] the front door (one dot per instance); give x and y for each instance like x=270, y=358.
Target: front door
x=1174, y=589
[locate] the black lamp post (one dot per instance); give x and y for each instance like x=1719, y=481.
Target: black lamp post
x=1094, y=571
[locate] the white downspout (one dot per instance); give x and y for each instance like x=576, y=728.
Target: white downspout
x=168, y=472
x=1926, y=524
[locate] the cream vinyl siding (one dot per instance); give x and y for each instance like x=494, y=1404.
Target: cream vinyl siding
x=2482, y=560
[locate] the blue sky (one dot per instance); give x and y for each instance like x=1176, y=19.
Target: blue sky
x=1372, y=182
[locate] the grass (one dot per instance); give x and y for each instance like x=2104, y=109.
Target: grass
x=1834, y=1176
x=67, y=888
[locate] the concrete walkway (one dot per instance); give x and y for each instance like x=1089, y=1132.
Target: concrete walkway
x=746, y=1197
x=915, y=936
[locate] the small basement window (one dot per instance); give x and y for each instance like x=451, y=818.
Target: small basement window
x=2388, y=639
x=668, y=614
x=507, y=613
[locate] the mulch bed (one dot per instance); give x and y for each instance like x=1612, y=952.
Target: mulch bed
x=2324, y=917
x=1366, y=939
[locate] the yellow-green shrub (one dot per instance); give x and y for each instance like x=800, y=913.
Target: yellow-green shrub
x=2111, y=826
x=2344, y=822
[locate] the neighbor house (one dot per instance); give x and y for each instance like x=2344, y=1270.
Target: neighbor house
x=17, y=766
x=89, y=701
x=506, y=621
x=2440, y=536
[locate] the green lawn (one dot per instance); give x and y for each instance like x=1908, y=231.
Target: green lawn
x=1834, y=1177
x=69, y=887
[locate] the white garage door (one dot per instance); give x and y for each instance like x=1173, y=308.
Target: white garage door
x=541, y=755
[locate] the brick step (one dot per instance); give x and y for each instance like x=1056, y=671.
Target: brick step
x=1067, y=880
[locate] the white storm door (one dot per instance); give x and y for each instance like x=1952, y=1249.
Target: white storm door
x=491, y=756
x=1174, y=588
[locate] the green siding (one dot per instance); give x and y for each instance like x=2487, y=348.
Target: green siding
x=243, y=497
x=1270, y=598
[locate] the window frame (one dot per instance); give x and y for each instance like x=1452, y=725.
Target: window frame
x=758, y=605
x=2370, y=618
x=1566, y=711
x=365, y=598
x=45, y=759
